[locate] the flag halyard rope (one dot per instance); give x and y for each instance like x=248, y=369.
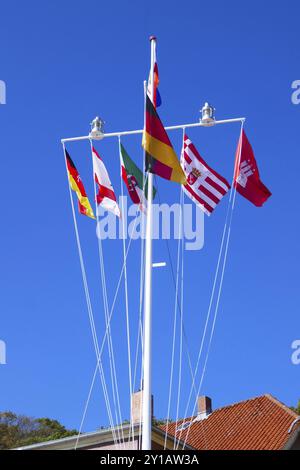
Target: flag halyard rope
x=228, y=223
x=110, y=315
x=90, y=309
x=216, y=291
x=179, y=246
x=112, y=365
x=181, y=302
x=126, y=293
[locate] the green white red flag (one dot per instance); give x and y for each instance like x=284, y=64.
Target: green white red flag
x=134, y=180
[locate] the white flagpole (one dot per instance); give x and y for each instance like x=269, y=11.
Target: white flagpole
x=147, y=386
x=147, y=356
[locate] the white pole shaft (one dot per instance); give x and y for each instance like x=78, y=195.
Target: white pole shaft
x=147, y=385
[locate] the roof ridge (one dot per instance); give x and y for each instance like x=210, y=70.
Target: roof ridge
x=189, y=418
x=282, y=405
x=240, y=402
x=268, y=418
x=265, y=395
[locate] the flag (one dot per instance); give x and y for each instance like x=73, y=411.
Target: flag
x=246, y=178
x=76, y=185
x=161, y=158
x=106, y=195
x=133, y=178
x=204, y=185
x=156, y=95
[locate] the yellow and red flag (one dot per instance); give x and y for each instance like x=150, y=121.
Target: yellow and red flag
x=76, y=185
x=161, y=158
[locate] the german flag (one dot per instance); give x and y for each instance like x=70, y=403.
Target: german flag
x=161, y=158
x=76, y=185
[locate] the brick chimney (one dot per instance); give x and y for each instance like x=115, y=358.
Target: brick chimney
x=136, y=406
x=204, y=407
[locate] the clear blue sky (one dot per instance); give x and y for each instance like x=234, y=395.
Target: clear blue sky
x=65, y=62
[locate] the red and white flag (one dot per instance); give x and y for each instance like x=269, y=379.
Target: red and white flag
x=246, y=178
x=106, y=195
x=204, y=185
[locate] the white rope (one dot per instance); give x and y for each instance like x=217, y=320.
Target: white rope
x=140, y=318
x=107, y=332
x=212, y=329
x=115, y=386
x=93, y=329
x=89, y=306
x=139, y=340
x=175, y=321
x=140, y=327
x=86, y=407
x=142, y=285
x=109, y=320
x=229, y=215
x=182, y=293
x=181, y=316
x=205, y=329
x=112, y=365
x=88, y=302
x=206, y=324
x=126, y=294
x=178, y=301
x=116, y=292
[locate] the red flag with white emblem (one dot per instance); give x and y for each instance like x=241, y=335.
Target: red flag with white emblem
x=204, y=185
x=246, y=178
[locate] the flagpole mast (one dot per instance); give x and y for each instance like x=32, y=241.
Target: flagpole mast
x=147, y=376
x=147, y=355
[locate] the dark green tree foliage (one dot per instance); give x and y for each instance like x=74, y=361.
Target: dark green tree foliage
x=297, y=408
x=18, y=430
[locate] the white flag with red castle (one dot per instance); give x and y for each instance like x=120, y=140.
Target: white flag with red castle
x=106, y=196
x=204, y=185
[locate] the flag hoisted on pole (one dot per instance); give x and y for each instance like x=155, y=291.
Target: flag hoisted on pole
x=106, y=196
x=161, y=158
x=76, y=185
x=246, y=178
x=134, y=180
x=204, y=185
x=153, y=83
x=201, y=183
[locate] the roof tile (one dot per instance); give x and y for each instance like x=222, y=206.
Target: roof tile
x=260, y=423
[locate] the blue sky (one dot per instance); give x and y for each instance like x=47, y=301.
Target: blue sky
x=65, y=62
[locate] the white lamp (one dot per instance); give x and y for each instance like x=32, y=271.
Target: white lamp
x=208, y=115
x=97, y=128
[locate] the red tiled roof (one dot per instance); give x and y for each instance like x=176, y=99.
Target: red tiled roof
x=260, y=423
